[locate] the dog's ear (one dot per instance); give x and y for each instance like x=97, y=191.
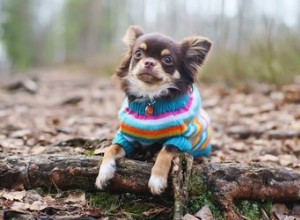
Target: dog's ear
x=132, y=33
x=195, y=49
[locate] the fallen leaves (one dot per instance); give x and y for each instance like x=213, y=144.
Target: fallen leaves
x=248, y=126
x=281, y=212
x=77, y=114
x=204, y=213
x=30, y=201
x=18, y=195
x=76, y=197
x=268, y=158
x=287, y=160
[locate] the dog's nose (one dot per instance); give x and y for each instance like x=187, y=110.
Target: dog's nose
x=149, y=63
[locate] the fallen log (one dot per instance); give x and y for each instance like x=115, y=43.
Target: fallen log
x=227, y=181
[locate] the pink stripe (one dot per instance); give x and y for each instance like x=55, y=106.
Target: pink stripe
x=164, y=115
x=204, y=119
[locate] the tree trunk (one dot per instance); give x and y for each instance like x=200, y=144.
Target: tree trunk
x=227, y=181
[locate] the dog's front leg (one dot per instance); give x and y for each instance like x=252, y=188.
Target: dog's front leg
x=160, y=171
x=108, y=165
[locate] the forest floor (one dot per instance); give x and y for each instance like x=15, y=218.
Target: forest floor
x=38, y=113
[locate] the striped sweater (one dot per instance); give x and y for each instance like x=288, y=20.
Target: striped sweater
x=180, y=122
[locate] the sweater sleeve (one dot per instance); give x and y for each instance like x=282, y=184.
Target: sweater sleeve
x=126, y=145
x=181, y=142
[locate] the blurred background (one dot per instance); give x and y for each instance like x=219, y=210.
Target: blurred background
x=254, y=40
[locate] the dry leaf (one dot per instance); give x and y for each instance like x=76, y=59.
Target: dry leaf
x=38, y=150
x=17, y=195
x=280, y=208
x=268, y=158
x=20, y=207
x=32, y=196
x=189, y=217
x=2, y=191
x=286, y=159
x=239, y=146
x=20, y=133
x=204, y=213
x=95, y=212
x=38, y=206
x=76, y=197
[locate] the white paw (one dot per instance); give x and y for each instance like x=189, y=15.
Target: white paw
x=157, y=184
x=106, y=173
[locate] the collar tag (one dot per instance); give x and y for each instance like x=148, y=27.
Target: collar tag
x=149, y=108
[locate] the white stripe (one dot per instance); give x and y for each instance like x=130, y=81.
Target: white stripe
x=131, y=140
x=191, y=130
x=202, y=122
x=205, y=115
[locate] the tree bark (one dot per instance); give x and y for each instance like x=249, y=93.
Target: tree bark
x=181, y=171
x=227, y=181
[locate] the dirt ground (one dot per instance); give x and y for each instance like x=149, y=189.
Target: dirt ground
x=39, y=112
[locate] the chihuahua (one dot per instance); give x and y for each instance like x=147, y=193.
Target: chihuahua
x=162, y=104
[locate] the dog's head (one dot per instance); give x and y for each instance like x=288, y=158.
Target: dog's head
x=157, y=66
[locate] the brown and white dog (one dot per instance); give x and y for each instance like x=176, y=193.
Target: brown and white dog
x=156, y=72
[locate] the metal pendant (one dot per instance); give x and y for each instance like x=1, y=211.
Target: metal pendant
x=149, y=109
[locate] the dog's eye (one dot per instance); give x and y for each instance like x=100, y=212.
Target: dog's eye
x=167, y=60
x=138, y=54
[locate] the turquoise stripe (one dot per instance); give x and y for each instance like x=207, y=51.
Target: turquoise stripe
x=205, y=152
x=151, y=127
x=140, y=139
x=169, y=122
x=160, y=105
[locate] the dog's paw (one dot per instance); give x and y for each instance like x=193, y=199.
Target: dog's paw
x=106, y=173
x=157, y=184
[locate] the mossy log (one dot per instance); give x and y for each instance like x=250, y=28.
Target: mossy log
x=227, y=181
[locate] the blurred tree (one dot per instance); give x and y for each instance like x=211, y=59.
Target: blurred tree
x=82, y=28
x=18, y=32
x=250, y=38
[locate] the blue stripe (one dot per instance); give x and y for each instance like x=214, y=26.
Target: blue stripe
x=202, y=139
x=205, y=152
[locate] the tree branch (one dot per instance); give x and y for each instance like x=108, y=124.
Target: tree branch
x=227, y=181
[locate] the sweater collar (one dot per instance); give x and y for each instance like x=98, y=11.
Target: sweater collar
x=160, y=105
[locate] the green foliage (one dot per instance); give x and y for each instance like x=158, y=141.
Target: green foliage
x=105, y=201
x=252, y=209
x=131, y=206
x=248, y=209
x=18, y=32
x=73, y=26
x=89, y=153
x=275, y=61
x=41, y=191
x=202, y=196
